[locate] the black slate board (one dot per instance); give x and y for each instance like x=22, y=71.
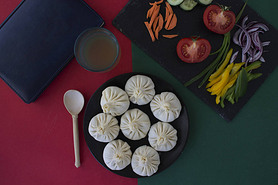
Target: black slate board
x=181, y=124
x=130, y=21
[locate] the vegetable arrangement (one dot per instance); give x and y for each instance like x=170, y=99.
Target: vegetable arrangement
x=156, y=22
x=247, y=37
x=213, y=20
x=230, y=80
x=225, y=79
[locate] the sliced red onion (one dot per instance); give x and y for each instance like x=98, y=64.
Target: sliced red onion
x=265, y=43
x=252, y=29
x=262, y=59
x=247, y=37
x=233, y=57
x=256, y=40
x=248, y=60
x=258, y=55
x=251, y=23
x=236, y=35
x=241, y=38
x=243, y=58
x=262, y=26
x=246, y=47
x=244, y=21
x=250, y=52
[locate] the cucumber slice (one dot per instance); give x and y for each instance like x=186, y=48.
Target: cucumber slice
x=188, y=5
x=174, y=2
x=205, y=2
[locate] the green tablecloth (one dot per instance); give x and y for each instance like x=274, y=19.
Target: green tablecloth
x=243, y=151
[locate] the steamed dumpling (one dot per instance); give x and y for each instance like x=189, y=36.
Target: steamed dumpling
x=104, y=127
x=166, y=106
x=140, y=89
x=163, y=136
x=114, y=101
x=145, y=161
x=135, y=124
x=117, y=155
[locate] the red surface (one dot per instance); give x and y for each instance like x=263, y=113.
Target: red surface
x=36, y=139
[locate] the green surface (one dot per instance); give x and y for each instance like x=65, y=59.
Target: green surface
x=241, y=152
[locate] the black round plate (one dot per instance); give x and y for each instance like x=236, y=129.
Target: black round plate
x=166, y=158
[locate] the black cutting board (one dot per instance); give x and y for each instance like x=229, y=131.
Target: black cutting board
x=130, y=21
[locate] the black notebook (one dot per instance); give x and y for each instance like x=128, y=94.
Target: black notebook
x=37, y=41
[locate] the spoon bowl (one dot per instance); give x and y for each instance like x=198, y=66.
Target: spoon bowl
x=74, y=102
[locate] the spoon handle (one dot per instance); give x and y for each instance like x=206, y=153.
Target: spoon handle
x=76, y=140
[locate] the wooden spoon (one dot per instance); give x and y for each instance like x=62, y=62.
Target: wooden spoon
x=74, y=102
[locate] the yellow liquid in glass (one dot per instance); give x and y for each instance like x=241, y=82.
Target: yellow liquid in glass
x=100, y=52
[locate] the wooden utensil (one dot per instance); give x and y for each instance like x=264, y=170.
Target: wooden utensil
x=74, y=102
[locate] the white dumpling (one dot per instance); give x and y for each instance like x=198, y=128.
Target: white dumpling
x=104, y=127
x=140, y=89
x=145, y=161
x=163, y=136
x=135, y=124
x=166, y=106
x=117, y=155
x=114, y=100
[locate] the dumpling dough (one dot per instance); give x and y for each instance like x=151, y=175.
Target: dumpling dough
x=163, y=136
x=114, y=101
x=104, y=127
x=135, y=124
x=140, y=89
x=145, y=161
x=166, y=106
x=117, y=155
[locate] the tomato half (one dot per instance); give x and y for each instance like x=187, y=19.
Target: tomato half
x=193, y=50
x=219, y=19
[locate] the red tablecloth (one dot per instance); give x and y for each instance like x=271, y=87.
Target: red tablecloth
x=36, y=139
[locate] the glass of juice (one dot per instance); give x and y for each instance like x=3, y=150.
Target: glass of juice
x=97, y=49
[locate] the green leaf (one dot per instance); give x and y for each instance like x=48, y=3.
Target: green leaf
x=241, y=84
x=241, y=11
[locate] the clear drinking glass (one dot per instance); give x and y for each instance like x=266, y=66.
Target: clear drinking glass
x=97, y=49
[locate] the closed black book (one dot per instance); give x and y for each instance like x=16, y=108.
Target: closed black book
x=37, y=41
